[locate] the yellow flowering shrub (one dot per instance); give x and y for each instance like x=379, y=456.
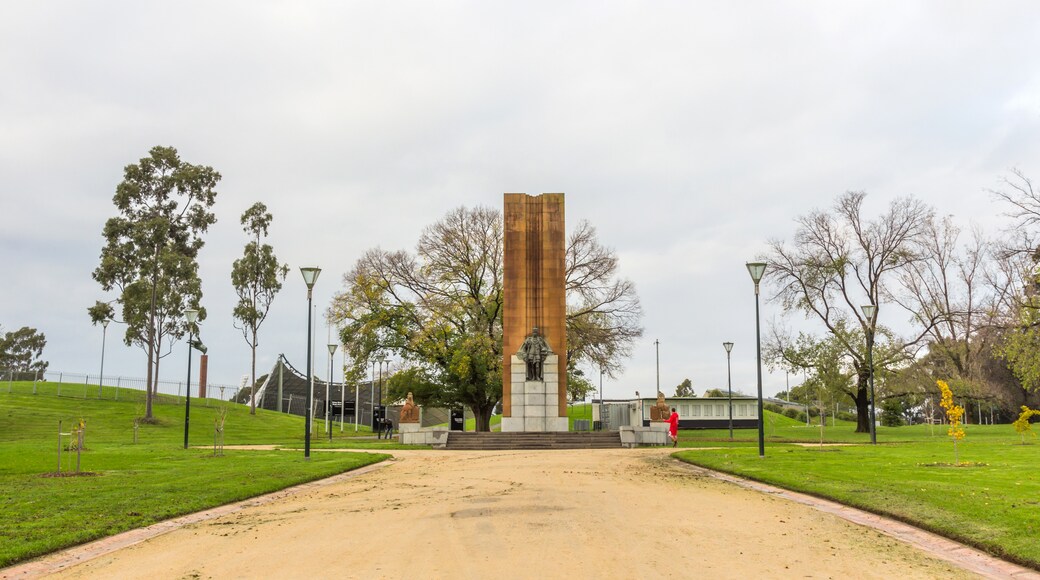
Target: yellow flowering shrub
x=1022, y=423
x=954, y=413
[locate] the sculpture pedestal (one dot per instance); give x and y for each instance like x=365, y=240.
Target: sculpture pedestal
x=407, y=427
x=535, y=405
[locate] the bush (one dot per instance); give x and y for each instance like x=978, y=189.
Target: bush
x=792, y=413
x=773, y=408
x=843, y=416
x=801, y=417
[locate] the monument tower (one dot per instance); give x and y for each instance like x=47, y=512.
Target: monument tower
x=534, y=321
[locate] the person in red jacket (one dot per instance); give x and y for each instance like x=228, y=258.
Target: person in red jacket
x=673, y=427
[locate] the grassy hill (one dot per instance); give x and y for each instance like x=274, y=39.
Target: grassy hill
x=136, y=484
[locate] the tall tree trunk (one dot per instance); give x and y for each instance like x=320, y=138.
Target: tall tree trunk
x=482, y=416
x=152, y=353
x=252, y=388
x=862, y=400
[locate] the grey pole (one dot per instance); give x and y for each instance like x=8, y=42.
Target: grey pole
x=757, y=269
x=657, y=356
x=104, y=335
x=187, y=392
x=601, y=398
x=729, y=386
x=310, y=276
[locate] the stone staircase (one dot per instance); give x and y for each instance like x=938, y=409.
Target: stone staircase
x=562, y=440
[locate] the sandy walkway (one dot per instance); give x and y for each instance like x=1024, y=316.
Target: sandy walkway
x=544, y=514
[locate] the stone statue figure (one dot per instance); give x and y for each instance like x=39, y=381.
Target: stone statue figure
x=533, y=352
x=409, y=411
x=660, y=411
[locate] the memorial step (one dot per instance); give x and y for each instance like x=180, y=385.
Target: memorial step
x=504, y=441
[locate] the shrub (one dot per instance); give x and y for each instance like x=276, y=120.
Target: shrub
x=773, y=408
x=792, y=413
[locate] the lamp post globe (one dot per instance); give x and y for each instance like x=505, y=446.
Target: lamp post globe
x=757, y=270
x=310, y=277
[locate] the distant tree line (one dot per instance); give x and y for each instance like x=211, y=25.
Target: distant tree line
x=21, y=354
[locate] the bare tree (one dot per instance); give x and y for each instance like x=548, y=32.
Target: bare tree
x=603, y=310
x=840, y=261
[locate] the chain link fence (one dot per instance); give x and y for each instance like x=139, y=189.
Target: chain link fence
x=115, y=388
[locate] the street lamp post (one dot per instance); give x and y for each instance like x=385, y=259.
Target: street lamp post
x=104, y=335
x=328, y=405
x=657, y=358
x=310, y=276
x=379, y=393
x=870, y=311
x=601, y=398
x=757, y=269
x=729, y=386
x=191, y=315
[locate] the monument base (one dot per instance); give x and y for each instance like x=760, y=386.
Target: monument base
x=535, y=405
x=634, y=436
x=534, y=424
x=435, y=436
x=408, y=427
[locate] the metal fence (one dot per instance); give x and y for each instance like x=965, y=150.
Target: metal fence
x=117, y=388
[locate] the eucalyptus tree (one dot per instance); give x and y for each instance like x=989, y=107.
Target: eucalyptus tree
x=840, y=260
x=21, y=351
x=441, y=310
x=257, y=277
x=151, y=250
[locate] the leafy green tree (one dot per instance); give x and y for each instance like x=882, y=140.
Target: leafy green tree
x=257, y=277
x=684, y=389
x=21, y=351
x=716, y=393
x=441, y=310
x=892, y=412
x=151, y=250
x=578, y=385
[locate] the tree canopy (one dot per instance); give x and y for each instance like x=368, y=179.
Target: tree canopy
x=21, y=351
x=151, y=249
x=257, y=277
x=440, y=310
x=840, y=260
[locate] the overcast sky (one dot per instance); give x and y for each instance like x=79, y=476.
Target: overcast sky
x=688, y=133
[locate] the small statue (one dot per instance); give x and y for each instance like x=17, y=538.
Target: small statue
x=534, y=351
x=660, y=411
x=409, y=411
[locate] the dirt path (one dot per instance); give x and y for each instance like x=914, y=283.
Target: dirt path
x=538, y=514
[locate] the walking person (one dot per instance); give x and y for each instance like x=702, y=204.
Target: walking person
x=673, y=427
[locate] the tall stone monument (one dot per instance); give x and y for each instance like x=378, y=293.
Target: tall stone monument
x=534, y=366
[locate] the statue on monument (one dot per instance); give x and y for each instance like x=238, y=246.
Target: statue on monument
x=660, y=411
x=534, y=351
x=409, y=411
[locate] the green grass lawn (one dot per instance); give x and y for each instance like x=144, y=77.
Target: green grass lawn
x=135, y=485
x=992, y=503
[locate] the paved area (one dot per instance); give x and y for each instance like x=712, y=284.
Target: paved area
x=579, y=514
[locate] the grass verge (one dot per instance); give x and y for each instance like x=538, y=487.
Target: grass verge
x=992, y=503
x=135, y=485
